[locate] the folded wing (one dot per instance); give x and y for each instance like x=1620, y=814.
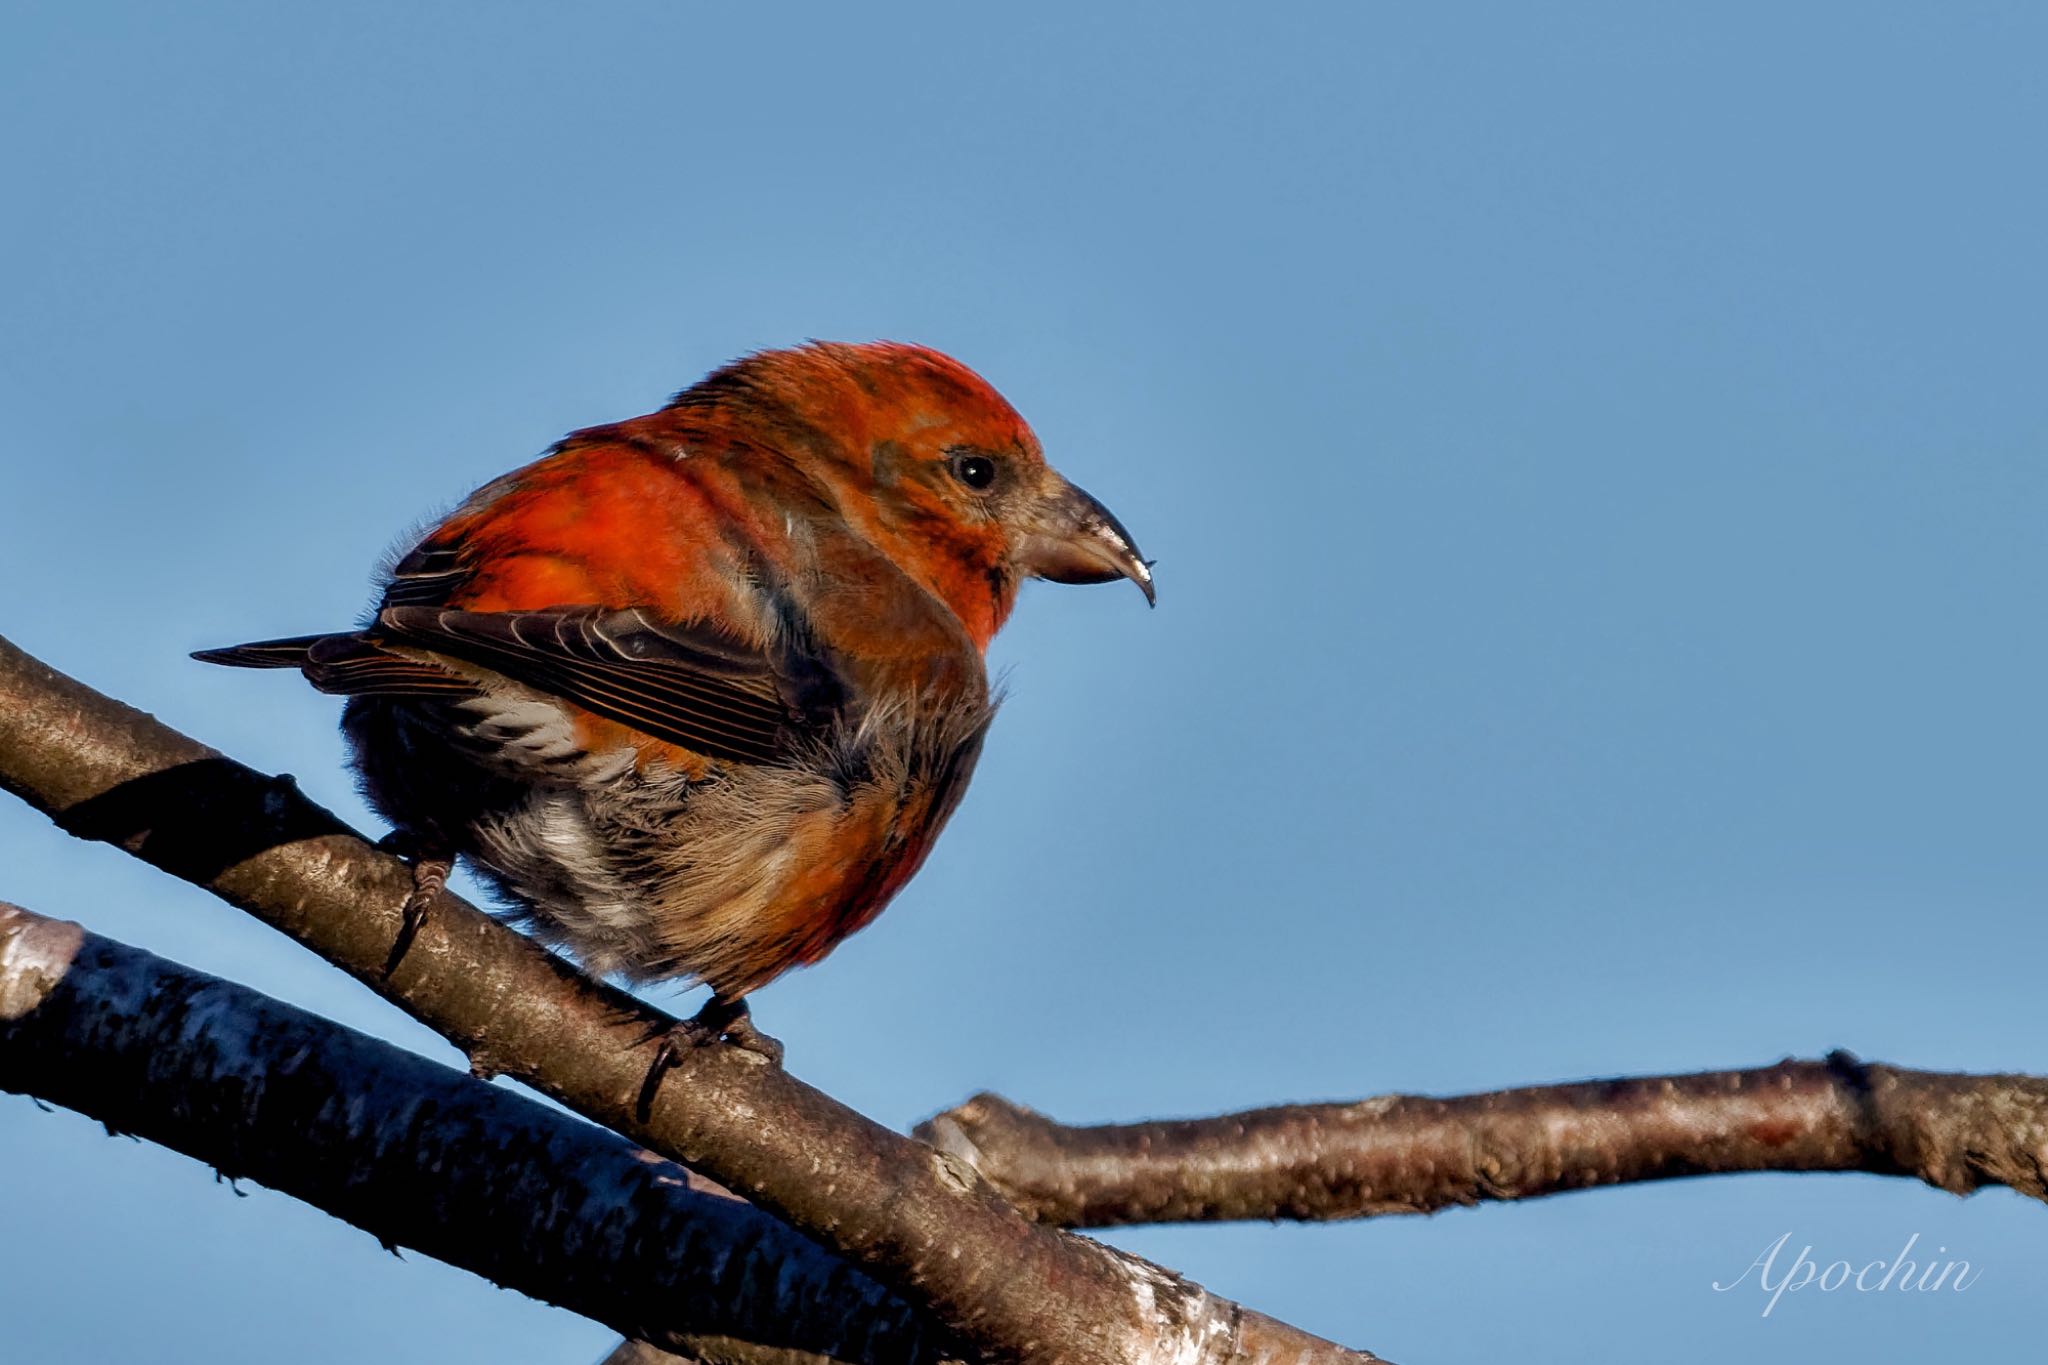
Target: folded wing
x=691, y=685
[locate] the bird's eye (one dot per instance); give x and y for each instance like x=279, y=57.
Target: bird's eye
x=976, y=471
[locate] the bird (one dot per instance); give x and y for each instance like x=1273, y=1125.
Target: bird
x=695, y=692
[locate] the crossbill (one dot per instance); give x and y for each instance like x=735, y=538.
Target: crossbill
x=695, y=692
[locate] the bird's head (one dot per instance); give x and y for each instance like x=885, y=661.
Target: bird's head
x=934, y=467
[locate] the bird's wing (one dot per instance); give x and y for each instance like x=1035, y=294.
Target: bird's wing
x=695, y=686
x=692, y=685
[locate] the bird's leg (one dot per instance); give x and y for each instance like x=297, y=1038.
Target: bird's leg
x=721, y=1020
x=430, y=863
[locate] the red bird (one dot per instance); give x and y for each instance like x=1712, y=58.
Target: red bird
x=697, y=691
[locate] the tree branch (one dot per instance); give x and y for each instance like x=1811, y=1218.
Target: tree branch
x=419, y=1155
x=922, y=1224
x=1410, y=1154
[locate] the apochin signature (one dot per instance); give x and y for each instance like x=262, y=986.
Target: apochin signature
x=1872, y=1277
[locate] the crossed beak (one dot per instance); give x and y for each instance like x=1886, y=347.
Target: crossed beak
x=1072, y=538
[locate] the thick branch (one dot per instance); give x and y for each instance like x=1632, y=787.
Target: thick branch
x=422, y=1156
x=922, y=1224
x=1409, y=1154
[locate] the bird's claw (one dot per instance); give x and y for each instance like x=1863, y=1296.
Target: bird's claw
x=720, y=1021
x=430, y=867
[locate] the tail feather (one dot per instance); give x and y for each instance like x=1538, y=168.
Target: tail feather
x=347, y=665
x=296, y=652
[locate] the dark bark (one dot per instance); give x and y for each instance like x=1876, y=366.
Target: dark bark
x=921, y=1223
x=422, y=1156
x=1410, y=1154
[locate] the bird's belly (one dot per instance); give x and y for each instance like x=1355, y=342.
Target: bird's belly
x=578, y=866
x=637, y=869
x=730, y=881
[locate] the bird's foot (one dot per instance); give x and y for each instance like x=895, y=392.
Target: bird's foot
x=720, y=1021
x=430, y=865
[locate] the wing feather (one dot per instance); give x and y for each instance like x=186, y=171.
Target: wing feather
x=691, y=685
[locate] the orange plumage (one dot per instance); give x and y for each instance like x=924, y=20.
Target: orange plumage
x=696, y=691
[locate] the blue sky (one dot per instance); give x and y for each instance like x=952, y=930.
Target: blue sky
x=1595, y=459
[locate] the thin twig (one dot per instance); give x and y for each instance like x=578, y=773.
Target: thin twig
x=1410, y=1154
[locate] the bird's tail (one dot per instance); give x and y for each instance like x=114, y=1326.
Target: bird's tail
x=349, y=665
x=296, y=652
